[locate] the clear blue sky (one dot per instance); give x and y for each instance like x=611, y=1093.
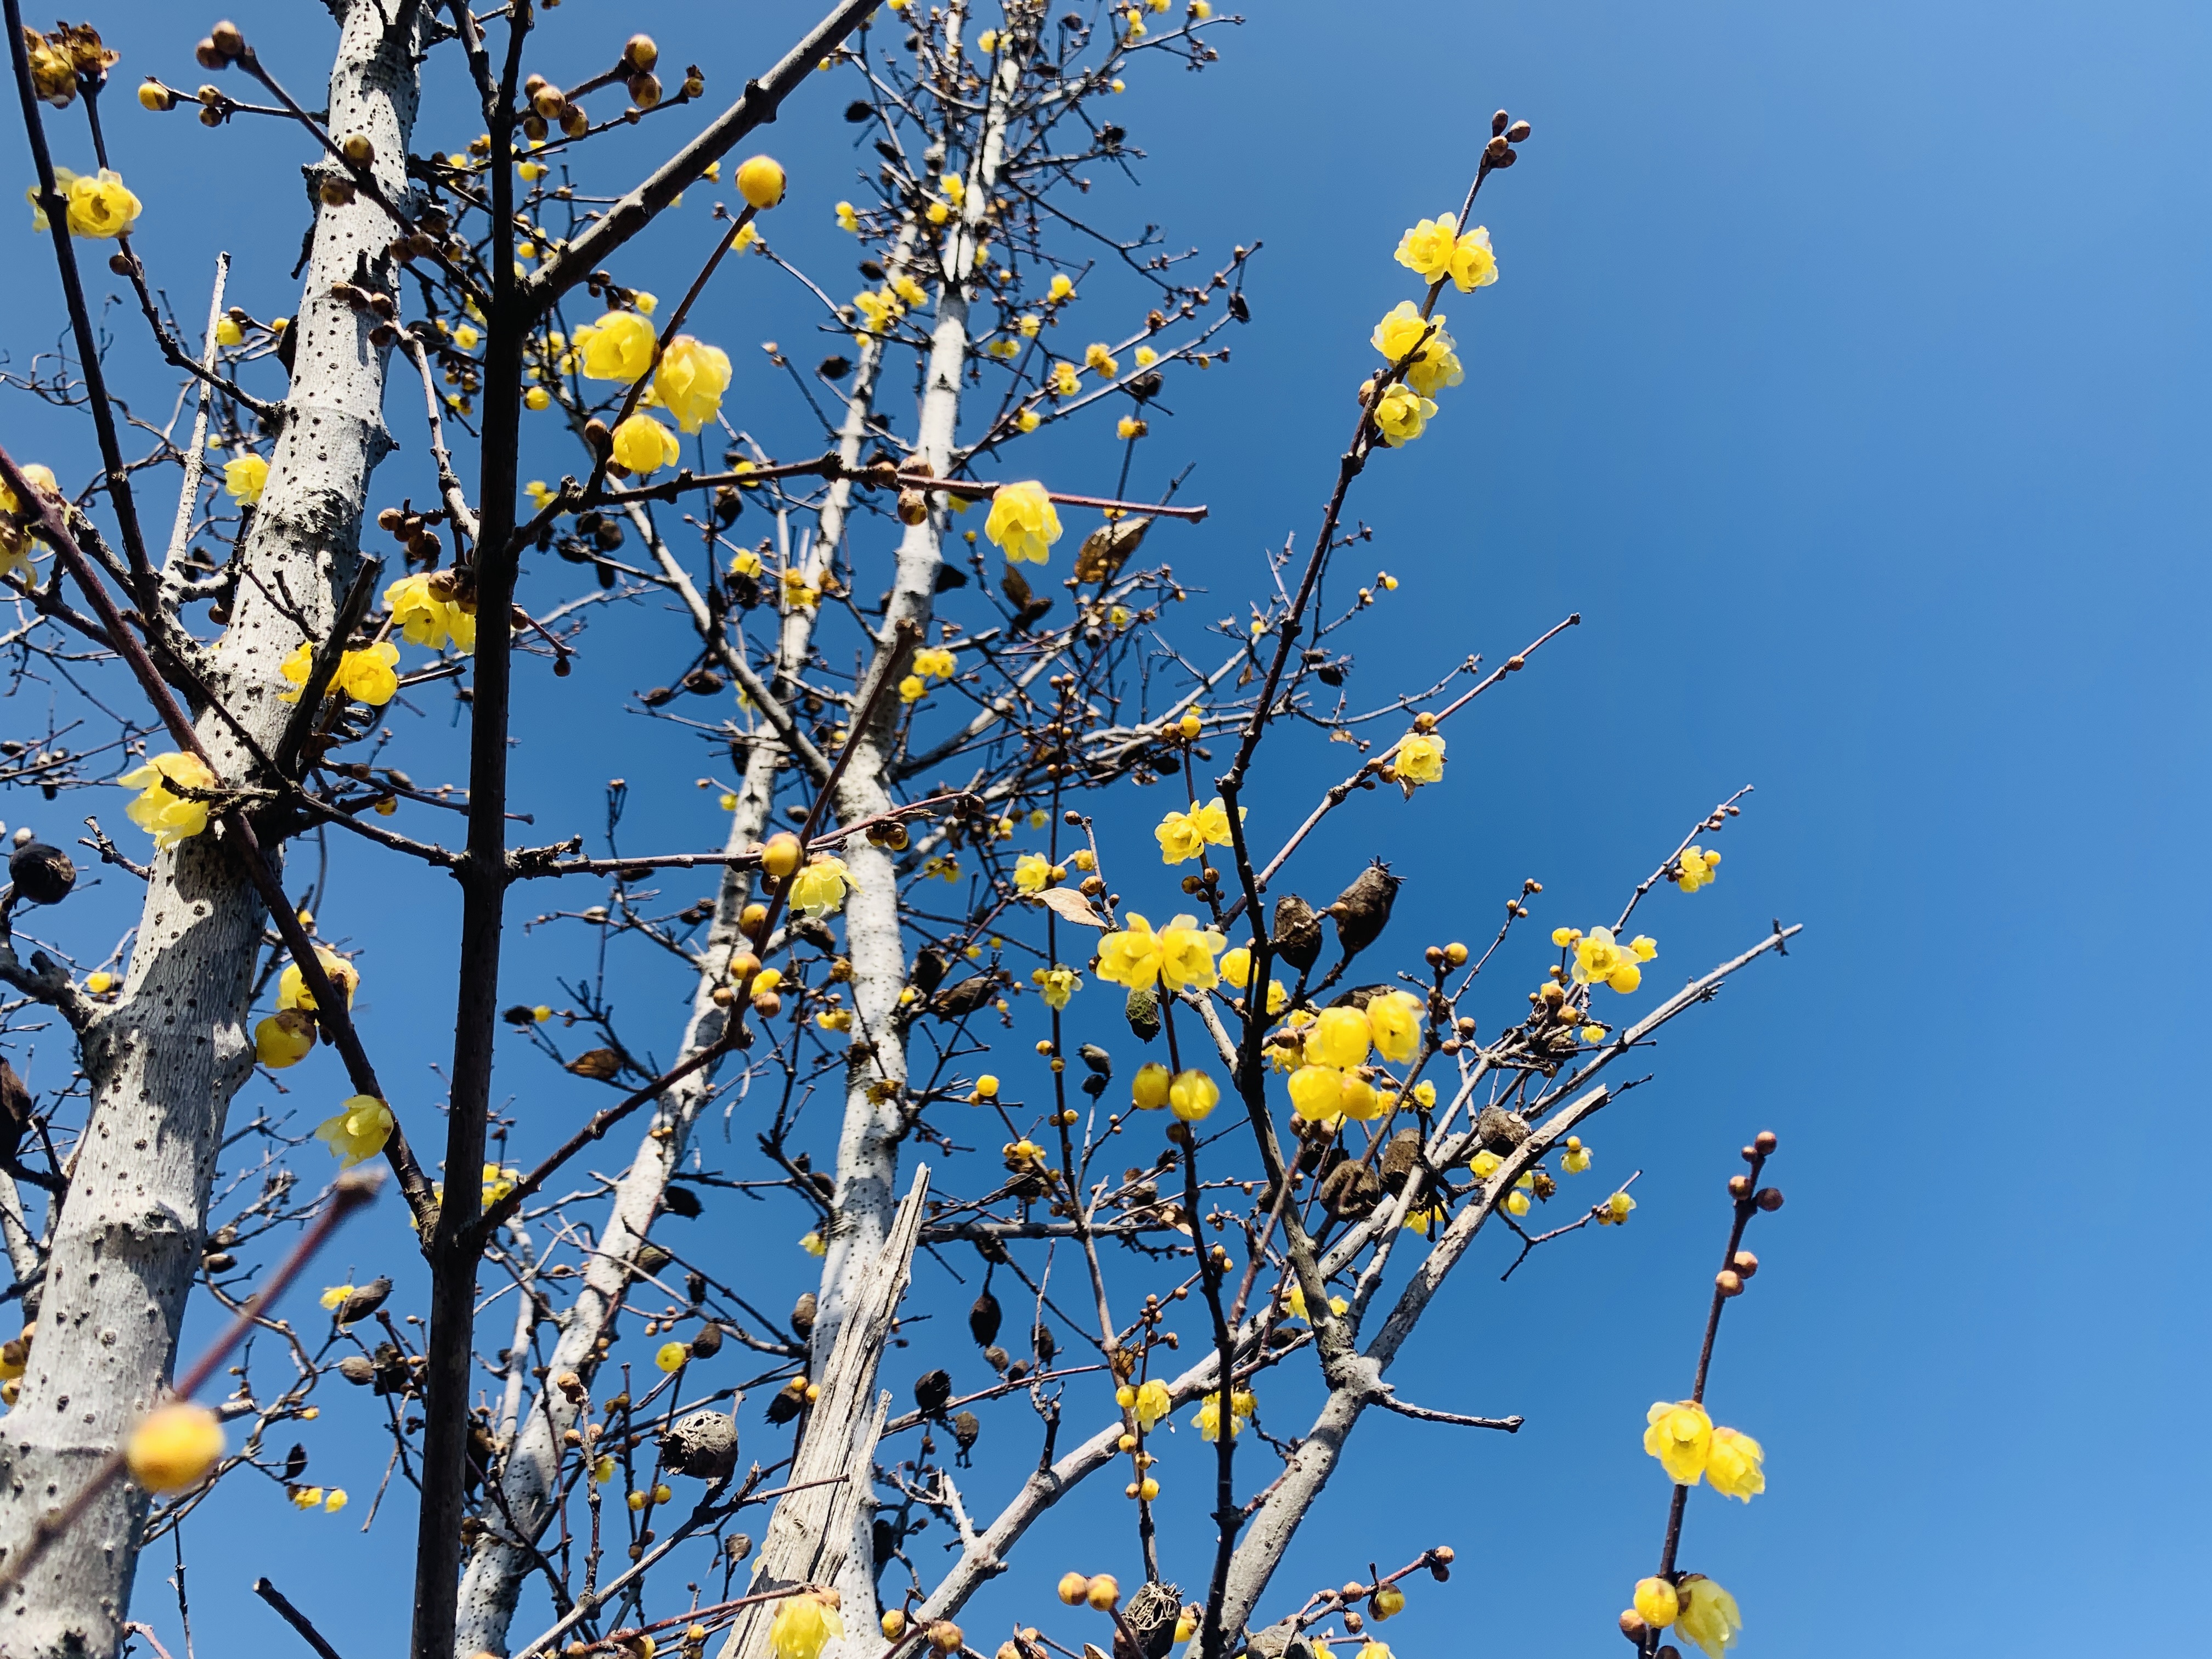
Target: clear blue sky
x=1845, y=374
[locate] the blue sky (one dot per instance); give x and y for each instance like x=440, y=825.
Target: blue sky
x=1845, y=376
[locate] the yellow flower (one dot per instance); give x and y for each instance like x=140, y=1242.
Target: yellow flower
x=1473, y=264
x=1698, y=868
x=1146, y=356
x=1401, y=331
x=1241, y=1404
x=498, y=1183
x=307, y=1498
x=759, y=181
x=819, y=889
x=466, y=337
x=1421, y=757
x=935, y=662
x=1028, y=324
x=334, y=1500
x=1095, y=356
x=848, y=219
x=1656, y=1602
x=1130, y=956
x=1201, y=9
x=672, y=1357
x=359, y=1131
x=1192, y=1095
x=1028, y=421
x=804, y=1625
x=747, y=235
x=1395, y=1018
x=1617, y=1208
x=1735, y=1465
x=907, y=289
x=1419, y=1221
x=1148, y=1089
x=878, y=308
x=1402, y=414
x=366, y=675
x=292, y=985
x=283, y=1039
x=1339, y=1037
x=245, y=477
x=1237, y=966
x=1599, y=960
x=1294, y=1303
x=229, y=333
x=644, y=446
x=813, y=1245
x=1357, y=1098
x=99, y=205
x=1148, y=1401
x=1427, y=248
x=1317, y=1093
x=1064, y=381
x=1061, y=289
x=1186, y=834
x=1278, y=998
x=1708, y=1616
x=167, y=816
x=690, y=381
x=1577, y=1159
x=1058, y=984
x=423, y=619
x=333, y=1296
x=1680, y=1436
x=799, y=593
x=173, y=1446
x=40, y=477
x=1023, y=522
x=618, y=347
x=604, y=1470
x=1032, y=872
x=1130, y=426
x=1516, y=1203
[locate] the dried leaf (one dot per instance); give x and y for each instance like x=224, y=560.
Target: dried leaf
x=1069, y=905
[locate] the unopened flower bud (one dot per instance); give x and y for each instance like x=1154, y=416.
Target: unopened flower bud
x=226, y=40
x=1738, y=1186
x=913, y=506
x=550, y=101
x=1105, y=1592
x=944, y=1636
x=1075, y=1587
x=640, y=53
x=156, y=96
x=1744, y=1263
x=1729, y=1282
x=644, y=90
x=1769, y=1198
x=1764, y=1141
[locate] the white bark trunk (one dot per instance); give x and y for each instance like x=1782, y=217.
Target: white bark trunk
x=165, y=1060
x=811, y=1539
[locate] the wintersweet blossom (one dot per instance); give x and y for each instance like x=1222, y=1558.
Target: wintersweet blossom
x=1600, y=959
x=99, y=205
x=819, y=889
x=848, y=218
x=671, y=1357
x=1192, y=1094
x=167, y=816
x=1426, y=249
x=244, y=478
x=1184, y=836
x=1735, y=1465
x=1698, y=867
x=1401, y=415
x=284, y=1038
x=1097, y=358
x=365, y=675
x=1148, y=1089
x=292, y=985
x=935, y=662
x=1339, y=1037
x=1394, y=1018
x=618, y=347
x=1236, y=967
x=1421, y=757
x=1294, y=1303
x=690, y=381
x=1474, y=265
x=1032, y=872
x=1241, y=1404
x=1403, y=333
x=1023, y=522
x=1061, y=288
x=359, y=1130
x=1709, y=1616
x=1657, y=1603
x=1056, y=984
x=1148, y=1401
x=1317, y=1093
x=804, y=1624
x=426, y=619
x=1680, y=1436
x=760, y=180
x=644, y=446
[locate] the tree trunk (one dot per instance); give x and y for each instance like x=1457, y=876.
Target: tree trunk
x=165, y=1060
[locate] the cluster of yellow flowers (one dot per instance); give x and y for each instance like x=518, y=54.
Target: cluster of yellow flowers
x=1190, y=1093
x=1056, y=984
x=932, y=662
x=1602, y=959
x=1694, y=1605
x=317, y=1498
x=1243, y=1403
x=1022, y=523
x=1181, y=955
x=1148, y=1402
x=14, y=543
x=1332, y=1082
x=167, y=816
x=1237, y=971
x=1696, y=868
x=365, y=675
x=1184, y=836
x=1683, y=1438
x=1414, y=343
x=425, y=618
x=819, y=889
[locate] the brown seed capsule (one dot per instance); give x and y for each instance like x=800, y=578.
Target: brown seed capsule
x=1729, y=1282
x=1769, y=1198
x=768, y=1005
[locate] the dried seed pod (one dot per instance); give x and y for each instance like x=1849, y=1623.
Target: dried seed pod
x=1297, y=933
x=702, y=1444
x=597, y=1064
x=1142, y=1010
x=1363, y=910
x=364, y=1301
x=707, y=1343
x=1350, y=1190
x=357, y=1368
x=803, y=1314
x=681, y=1200
x=933, y=1390
x=1501, y=1131
x=650, y=1258
x=41, y=873
x=787, y=1401
x=1152, y=1615
x=983, y=1318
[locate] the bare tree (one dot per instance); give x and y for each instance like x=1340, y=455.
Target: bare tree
x=910, y=896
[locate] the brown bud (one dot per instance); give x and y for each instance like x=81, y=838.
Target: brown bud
x=640, y=53
x=1769, y=1198
x=1744, y=1263
x=1740, y=1187
x=1517, y=133
x=597, y=434
x=550, y=101
x=768, y=1005
x=225, y=38
x=913, y=506
x=644, y=90
x=356, y=149
x=575, y=123
x=209, y=55
x=1764, y=1141
x=1728, y=1281
x=1632, y=1625
x=535, y=127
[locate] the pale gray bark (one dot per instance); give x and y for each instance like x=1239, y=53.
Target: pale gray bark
x=166, y=1058
x=492, y=1580
x=812, y=1538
